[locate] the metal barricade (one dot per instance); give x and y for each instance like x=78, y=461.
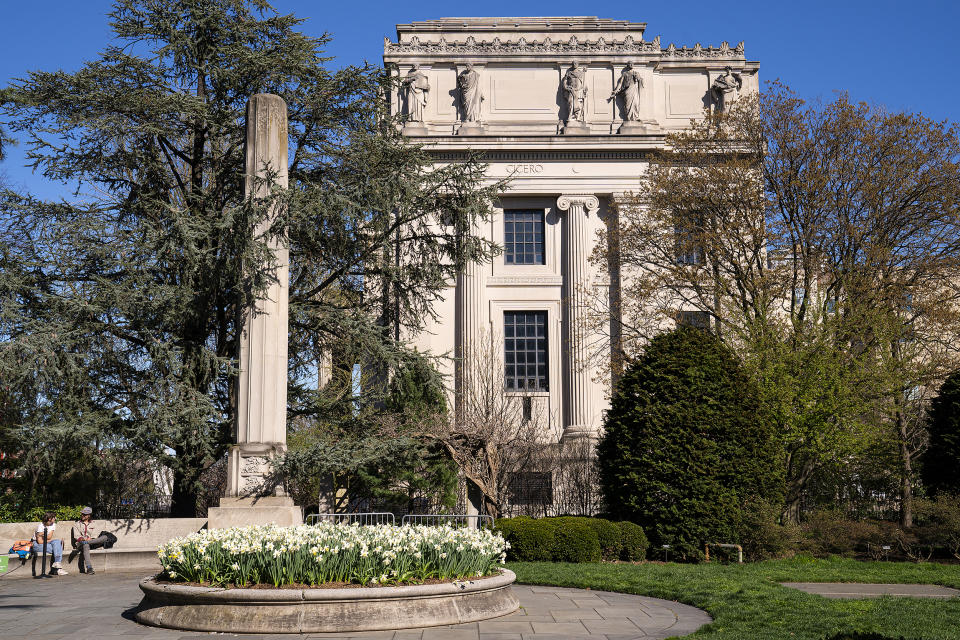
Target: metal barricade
x=381, y=517
x=454, y=519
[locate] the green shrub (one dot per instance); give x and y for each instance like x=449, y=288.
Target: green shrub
x=762, y=537
x=938, y=523
x=575, y=540
x=634, y=542
x=938, y=464
x=530, y=540
x=610, y=537
x=686, y=444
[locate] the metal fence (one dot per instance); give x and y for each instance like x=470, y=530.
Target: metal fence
x=455, y=519
x=380, y=517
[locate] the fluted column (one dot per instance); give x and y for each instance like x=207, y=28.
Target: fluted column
x=579, y=411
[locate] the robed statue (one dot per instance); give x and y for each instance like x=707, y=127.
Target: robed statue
x=629, y=84
x=416, y=86
x=575, y=91
x=470, y=95
x=725, y=88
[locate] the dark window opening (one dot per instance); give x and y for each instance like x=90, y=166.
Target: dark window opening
x=525, y=350
x=695, y=319
x=523, y=236
x=531, y=488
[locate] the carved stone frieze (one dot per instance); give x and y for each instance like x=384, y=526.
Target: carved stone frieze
x=497, y=46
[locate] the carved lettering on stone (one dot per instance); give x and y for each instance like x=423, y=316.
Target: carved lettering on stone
x=253, y=464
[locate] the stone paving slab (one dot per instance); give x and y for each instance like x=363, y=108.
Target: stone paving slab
x=103, y=605
x=847, y=590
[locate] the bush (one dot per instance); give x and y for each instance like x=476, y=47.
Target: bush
x=686, y=445
x=938, y=465
x=575, y=541
x=938, y=524
x=634, y=540
x=530, y=540
x=610, y=537
x=827, y=533
x=760, y=535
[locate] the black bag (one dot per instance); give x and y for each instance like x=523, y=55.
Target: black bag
x=111, y=539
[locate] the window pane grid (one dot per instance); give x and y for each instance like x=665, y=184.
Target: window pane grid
x=523, y=236
x=525, y=350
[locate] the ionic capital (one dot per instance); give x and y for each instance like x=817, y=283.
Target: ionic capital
x=587, y=201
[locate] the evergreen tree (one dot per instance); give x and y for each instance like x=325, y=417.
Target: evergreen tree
x=942, y=457
x=686, y=445
x=122, y=307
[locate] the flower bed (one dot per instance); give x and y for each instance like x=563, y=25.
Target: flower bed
x=325, y=553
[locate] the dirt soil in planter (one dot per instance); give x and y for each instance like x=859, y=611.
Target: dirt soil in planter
x=325, y=585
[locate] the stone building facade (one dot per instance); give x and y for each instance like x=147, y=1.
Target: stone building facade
x=568, y=108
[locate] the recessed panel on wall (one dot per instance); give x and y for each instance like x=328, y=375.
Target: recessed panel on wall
x=520, y=93
x=601, y=85
x=685, y=95
x=443, y=81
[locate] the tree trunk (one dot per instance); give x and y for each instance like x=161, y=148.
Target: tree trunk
x=185, y=494
x=906, y=487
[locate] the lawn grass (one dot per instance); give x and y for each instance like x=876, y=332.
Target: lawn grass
x=746, y=601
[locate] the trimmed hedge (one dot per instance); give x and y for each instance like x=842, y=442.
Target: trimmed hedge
x=571, y=539
x=634, y=542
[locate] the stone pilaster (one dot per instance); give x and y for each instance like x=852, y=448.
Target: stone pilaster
x=470, y=286
x=578, y=400
x=261, y=421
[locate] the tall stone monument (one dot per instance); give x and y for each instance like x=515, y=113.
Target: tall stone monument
x=261, y=426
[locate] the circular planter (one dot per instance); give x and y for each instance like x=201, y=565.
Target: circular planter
x=321, y=610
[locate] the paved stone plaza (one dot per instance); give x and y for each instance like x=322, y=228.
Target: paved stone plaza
x=103, y=606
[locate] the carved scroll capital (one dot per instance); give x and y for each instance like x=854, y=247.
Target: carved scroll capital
x=588, y=201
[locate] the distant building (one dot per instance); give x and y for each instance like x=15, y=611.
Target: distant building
x=570, y=108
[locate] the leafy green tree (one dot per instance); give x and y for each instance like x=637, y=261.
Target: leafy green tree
x=686, y=446
x=942, y=457
x=122, y=306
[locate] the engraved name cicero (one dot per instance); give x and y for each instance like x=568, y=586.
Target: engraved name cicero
x=524, y=168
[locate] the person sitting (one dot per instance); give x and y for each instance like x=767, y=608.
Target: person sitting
x=54, y=547
x=84, y=537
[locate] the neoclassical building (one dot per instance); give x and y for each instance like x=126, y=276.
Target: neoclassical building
x=570, y=109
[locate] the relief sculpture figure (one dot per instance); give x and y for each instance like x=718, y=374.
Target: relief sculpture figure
x=629, y=84
x=470, y=95
x=575, y=92
x=416, y=87
x=725, y=88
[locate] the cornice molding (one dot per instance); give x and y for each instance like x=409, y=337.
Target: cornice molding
x=521, y=46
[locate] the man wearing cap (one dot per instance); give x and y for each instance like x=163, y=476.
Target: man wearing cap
x=83, y=533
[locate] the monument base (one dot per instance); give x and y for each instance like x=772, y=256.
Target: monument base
x=633, y=128
x=471, y=129
x=576, y=128
x=243, y=512
x=416, y=129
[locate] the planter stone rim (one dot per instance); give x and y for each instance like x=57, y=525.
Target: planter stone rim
x=223, y=595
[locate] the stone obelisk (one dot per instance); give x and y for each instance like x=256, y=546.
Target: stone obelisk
x=252, y=496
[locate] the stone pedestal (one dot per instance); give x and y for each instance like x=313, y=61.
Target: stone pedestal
x=415, y=129
x=576, y=128
x=244, y=512
x=579, y=420
x=471, y=129
x=636, y=128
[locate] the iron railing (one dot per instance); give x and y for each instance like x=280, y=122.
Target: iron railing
x=455, y=519
x=380, y=517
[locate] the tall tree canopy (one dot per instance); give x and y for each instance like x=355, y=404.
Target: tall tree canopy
x=122, y=306
x=823, y=242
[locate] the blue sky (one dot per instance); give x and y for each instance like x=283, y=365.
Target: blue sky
x=904, y=55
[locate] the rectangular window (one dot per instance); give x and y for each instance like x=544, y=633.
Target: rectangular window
x=523, y=236
x=686, y=230
x=695, y=319
x=525, y=350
